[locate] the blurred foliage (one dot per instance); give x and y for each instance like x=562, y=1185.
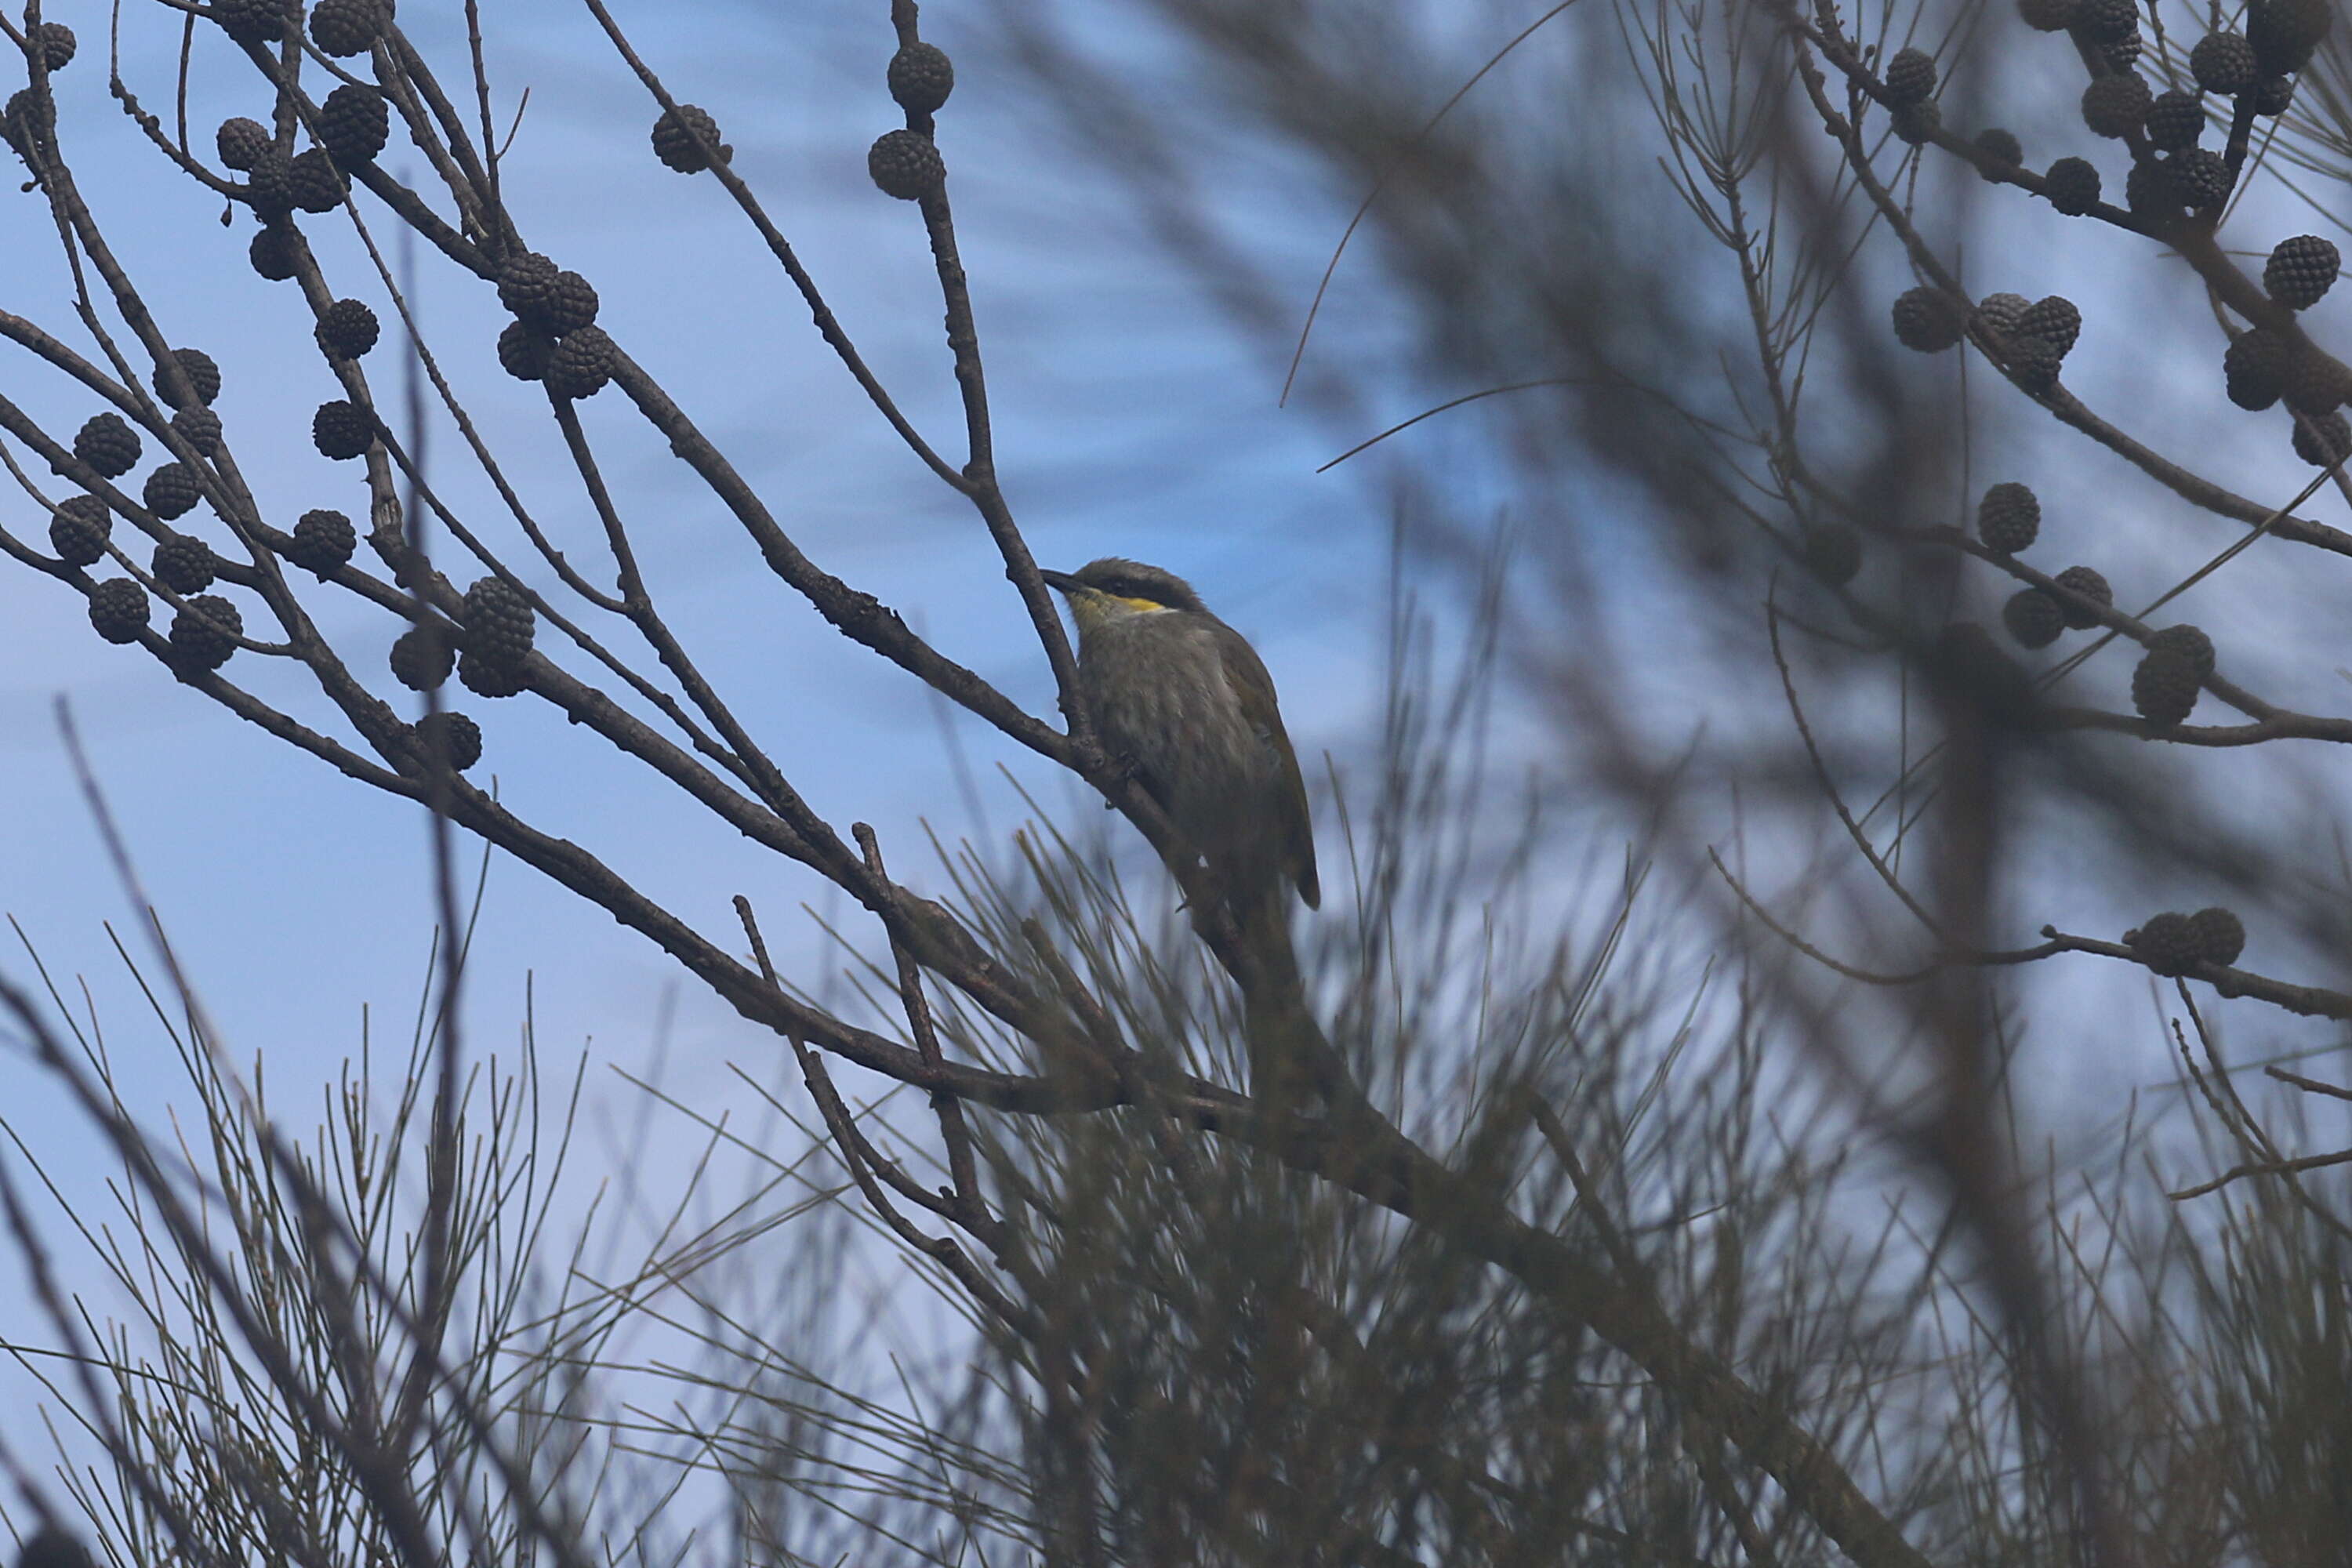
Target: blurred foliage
x=1664, y=1192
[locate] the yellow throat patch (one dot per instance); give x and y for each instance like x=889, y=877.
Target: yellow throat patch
x=1093, y=607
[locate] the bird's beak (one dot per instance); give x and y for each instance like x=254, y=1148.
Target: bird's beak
x=1061, y=581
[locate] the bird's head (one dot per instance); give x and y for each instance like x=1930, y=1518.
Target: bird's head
x=1104, y=591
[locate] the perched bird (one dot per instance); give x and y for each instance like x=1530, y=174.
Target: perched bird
x=1179, y=695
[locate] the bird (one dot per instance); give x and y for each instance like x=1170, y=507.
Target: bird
x=1182, y=700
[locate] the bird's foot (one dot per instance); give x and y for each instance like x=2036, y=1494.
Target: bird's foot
x=1124, y=770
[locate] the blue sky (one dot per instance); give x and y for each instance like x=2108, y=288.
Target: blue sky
x=1131, y=418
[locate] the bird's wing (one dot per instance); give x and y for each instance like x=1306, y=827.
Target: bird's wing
x=1246, y=673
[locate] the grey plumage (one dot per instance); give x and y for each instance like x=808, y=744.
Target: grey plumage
x=1186, y=699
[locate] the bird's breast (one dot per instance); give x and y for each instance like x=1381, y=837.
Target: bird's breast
x=1156, y=686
